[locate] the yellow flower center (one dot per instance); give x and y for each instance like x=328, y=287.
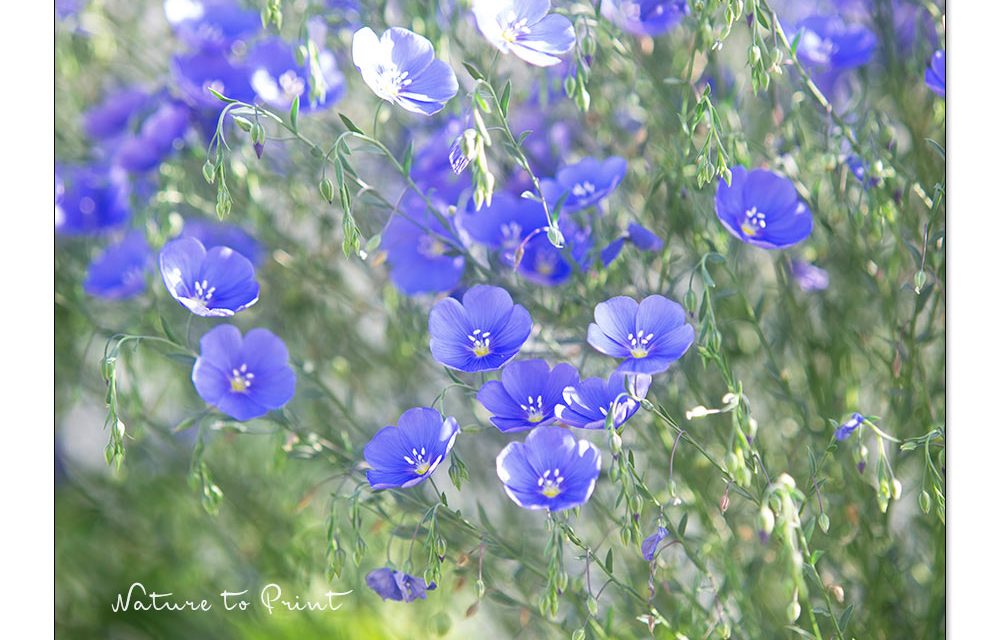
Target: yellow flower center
x=240, y=379
x=639, y=343
x=480, y=342
x=422, y=468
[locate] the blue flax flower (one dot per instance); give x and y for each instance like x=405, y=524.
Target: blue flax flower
x=215, y=23
x=585, y=183
x=827, y=44
x=91, y=199
x=935, y=73
x=516, y=227
x=396, y=585
x=587, y=405
x=154, y=141
x=849, y=427
x=206, y=69
x=525, y=28
x=649, y=546
x=407, y=454
x=423, y=255
x=645, y=17
x=278, y=78
x=527, y=394
x=221, y=234
x=243, y=376
x=400, y=67
x=763, y=209
x=120, y=271
x=551, y=470
x=809, y=277
x=218, y=282
x=110, y=118
x=482, y=333
x=643, y=238
x=650, y=335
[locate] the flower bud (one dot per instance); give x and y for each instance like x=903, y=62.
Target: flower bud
x=592, y=606
x=838, y=592
x=924, y=501
x=793, y=611
x=897, y=489
x=208, y=171
x=691, y=301
x=555, y=237
x=766, y=520
x=824, y=521
x=327, y=190
x=615, y=442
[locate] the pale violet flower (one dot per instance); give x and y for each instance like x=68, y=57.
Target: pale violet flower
x=400, y=67
x=525, y=28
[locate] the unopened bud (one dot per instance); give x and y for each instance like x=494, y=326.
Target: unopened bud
x=690, y=301
x=327, y=190
x=793, y=611
x=924, y=501
x=615, y=442
x=208, y=171
x=897, y=489
x=766, y=520
x=824, y=521
x=838, y=592
x=555, y=237
x=697, y=412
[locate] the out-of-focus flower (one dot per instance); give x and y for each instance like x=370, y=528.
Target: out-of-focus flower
x=215, y=23
x=645, y=17
x=91, y=199
x=206, y=69
x=643, y=238
x=809, y=277
x=243, y=376
x=585, y=183
x=516, y=228
x=221, y=234
x=111, y=117
x=763, y=209
x=482, y=333
x=860, y=169
x=218, y=282
x=423, y=256
x=278, y=78
x=407, y=454
x=935, y=73
x=396, y=585
x=551, y=470
x=650, y=544
x=849, y=427
x=527, y=394
x=400, y=67
x=827, y=43
x=526, y=29
x=438, y=162
x=650, y=335
x=120, y=271
x=587, y=405
x=155, y=140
